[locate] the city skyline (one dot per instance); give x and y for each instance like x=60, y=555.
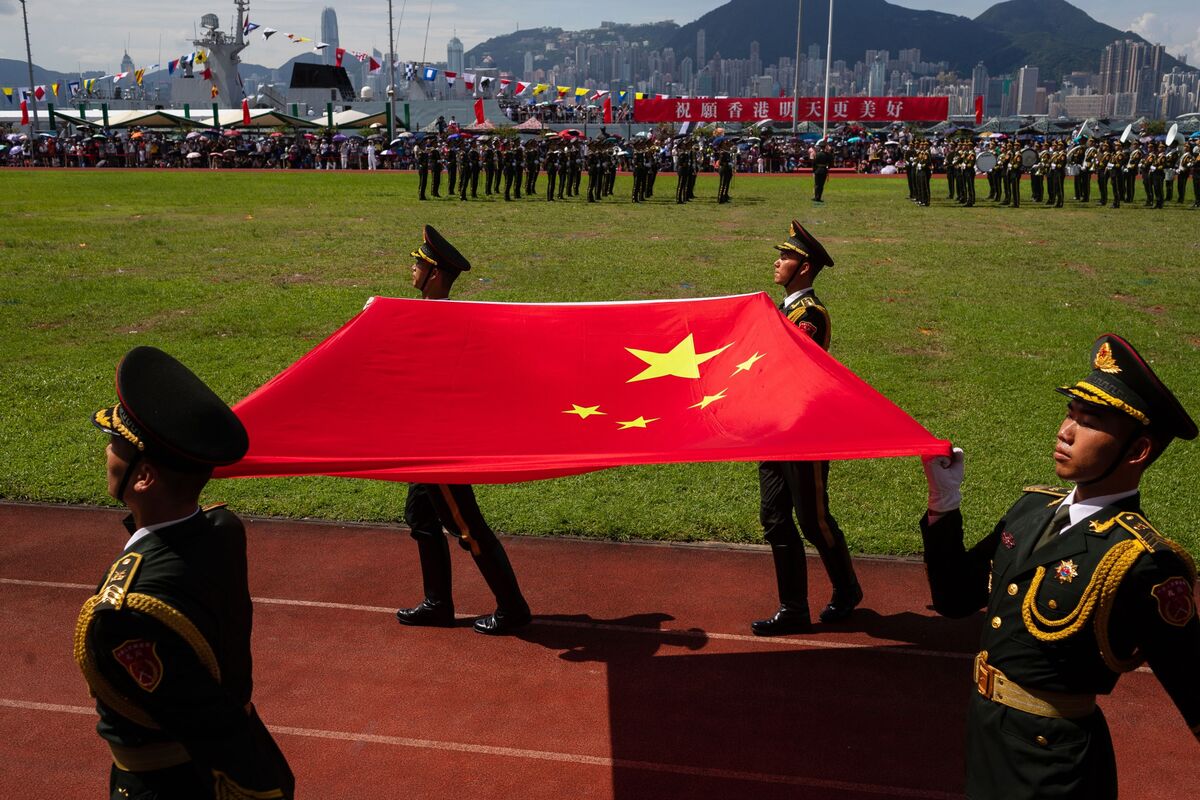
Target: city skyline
x=60, y=43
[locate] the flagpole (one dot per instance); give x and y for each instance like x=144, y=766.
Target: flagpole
x=828, y=62
x=796, y=79
x=391, y=90
x=32, y=96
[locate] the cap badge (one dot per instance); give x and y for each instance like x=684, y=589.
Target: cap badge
x=1104, y=360
x=1066, y=571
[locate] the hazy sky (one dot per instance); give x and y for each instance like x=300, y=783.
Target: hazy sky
x=68, y=34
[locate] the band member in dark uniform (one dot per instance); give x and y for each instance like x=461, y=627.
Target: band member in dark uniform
x=1079, y=588
x=164, y=644
x=432, y=507
x=799, y=487
x=422, y=155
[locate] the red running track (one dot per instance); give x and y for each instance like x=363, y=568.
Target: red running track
x=637, y=679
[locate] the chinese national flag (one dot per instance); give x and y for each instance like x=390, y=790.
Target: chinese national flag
x=479, y=118
x=24, y=112
x=978, y=109
x=467, y=392
x=245, y=111
x=608, y=109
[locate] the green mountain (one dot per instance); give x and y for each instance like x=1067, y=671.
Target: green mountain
x=1053, y=35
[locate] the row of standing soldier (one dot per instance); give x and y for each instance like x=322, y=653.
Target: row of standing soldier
x=564, y=164
x=1165, y=172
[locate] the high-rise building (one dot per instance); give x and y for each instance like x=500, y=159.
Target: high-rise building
x=877, y=78
x=1027, y=80
x=755, y=59
x=329, y=35
x=701, y=59
x=1128, y=67
x=454, y=63
x=979, y=80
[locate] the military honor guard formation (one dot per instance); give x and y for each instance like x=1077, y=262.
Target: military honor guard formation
x=517, y=167
x=1077, y=585
x=1056, y=168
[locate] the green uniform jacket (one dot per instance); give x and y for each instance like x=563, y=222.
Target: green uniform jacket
x=1105, y=595
x=165, y=648
x=808, y=314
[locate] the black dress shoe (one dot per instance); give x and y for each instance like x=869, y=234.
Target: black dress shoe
x=786, y=620
x=430, y=613
x=502, y=622
x=843, y=604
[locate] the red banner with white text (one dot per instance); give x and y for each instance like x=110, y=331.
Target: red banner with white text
x=465, y=392
x=812, y=109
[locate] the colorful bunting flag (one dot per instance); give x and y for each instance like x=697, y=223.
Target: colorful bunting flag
x=8, y=94
x=73, y=89
x=214, y=91
x=55, y=86
x=248, y=26
x=171, y=65
x=429, y=73
x=580, y=92
x=39, y=92
x=138, y=74
x=337, y=56
x=268, y=32
x=374, y=66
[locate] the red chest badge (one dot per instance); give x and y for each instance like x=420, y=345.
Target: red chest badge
x=1007, y=540
x=808, y=328
x=1175, y=602
x=140, y=660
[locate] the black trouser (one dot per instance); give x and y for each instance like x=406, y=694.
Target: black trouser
x=912, y=184
x=1157, y=180
x=1180, y=186
x=437, y=181
x=422, y=180
x=551, y=177
x=1196, y=184
x=1035, y=186
x=462, y=184
x=967, y=187
x=820, y=175
x=1102, y=185
x=451, y=174
x=474, y=180
x=681, y=186
x=508, y=182
x=488, y=172
x=1085, y=184
x=952, y=182
x=1014, y=186
x=593, y=185
x=799, y=487
x=431, y=507
x=723, y=187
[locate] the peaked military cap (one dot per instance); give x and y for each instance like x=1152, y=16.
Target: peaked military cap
x=1121, y=379
x=437, y=252
x=802, y=242
x=169, y=414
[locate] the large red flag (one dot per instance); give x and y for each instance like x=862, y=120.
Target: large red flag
x=245, y=111
x=24, y=113
x=479, y=119
x=468, y=392
x=978, y=109
x=608, y=109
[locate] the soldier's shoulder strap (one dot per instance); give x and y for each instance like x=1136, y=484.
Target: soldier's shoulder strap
x=1053, y=491
x=115, y=588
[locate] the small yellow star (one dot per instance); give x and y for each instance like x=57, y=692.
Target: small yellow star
x=747, y=364
x=710, y=398
x=640, y=422
x=682, y=361
x=585, y=411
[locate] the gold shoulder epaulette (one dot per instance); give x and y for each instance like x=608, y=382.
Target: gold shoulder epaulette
x=807, y=301
x=116, y=586
x=1142, y=530
x=1053, y=491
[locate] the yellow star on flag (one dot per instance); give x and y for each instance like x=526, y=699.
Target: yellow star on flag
x=681, y=361
x=709, y=399
x=585, y=411
x=747, y=364
x=640, y=422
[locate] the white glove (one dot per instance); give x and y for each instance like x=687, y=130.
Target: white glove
x=944, y=474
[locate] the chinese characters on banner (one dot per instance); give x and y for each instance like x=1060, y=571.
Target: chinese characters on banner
x=754, y=109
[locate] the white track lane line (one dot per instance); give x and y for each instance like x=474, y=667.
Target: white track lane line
x=563, y=758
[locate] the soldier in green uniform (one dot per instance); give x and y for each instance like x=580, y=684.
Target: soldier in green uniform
x=490, y=175
x=1078, y=587
x=922, y=170
x=1104, y=169
x=164, y=644
x=551, y=172
x=1038, y=172
x=422, y=156
x=1187, y=163
x=966, y=162
x=1130, y=172
x=431, y=507
x=725, y=173
x=799, y=487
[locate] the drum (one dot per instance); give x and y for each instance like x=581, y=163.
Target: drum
x=1072, y=170
x=1029, y=157
x=986, y=162
x=1170, y=174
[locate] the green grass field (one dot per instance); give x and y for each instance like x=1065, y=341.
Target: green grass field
x=966, y=318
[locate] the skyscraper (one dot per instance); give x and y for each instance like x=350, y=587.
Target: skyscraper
x=329, y=35
x=1027, y=80
x=701, y=58
x=979, y=80
x=454, y=55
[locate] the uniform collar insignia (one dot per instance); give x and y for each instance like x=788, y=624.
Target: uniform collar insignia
x=1007, y=540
